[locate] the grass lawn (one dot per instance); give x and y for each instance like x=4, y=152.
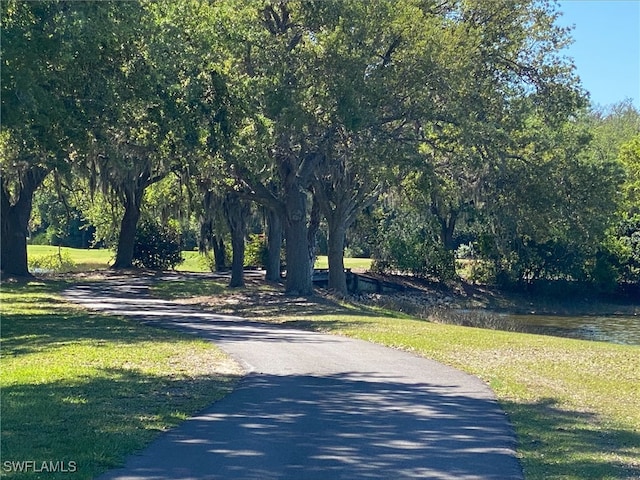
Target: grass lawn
x=575, y=404
x=88, y=389
x=193, y=262
x=84, y=259
x=98, y=259
x=322, y=261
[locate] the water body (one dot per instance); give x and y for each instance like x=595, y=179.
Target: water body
x=622, y=329
x=615, y=329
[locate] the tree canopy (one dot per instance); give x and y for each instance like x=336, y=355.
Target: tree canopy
x=448, y=122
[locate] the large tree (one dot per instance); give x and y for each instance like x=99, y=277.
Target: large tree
x=422, y=76
x=47, y=50
x=279, y=138
x=166, y=106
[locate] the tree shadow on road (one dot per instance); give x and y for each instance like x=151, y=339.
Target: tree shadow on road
x=349, y=425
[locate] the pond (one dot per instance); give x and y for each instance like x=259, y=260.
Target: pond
x=622, y=329
x=616, y=329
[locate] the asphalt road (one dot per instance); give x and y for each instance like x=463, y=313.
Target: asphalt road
x=317, y=406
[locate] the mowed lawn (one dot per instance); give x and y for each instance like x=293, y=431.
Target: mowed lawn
x=83, y=259
x=84, y=391
x=98, y=259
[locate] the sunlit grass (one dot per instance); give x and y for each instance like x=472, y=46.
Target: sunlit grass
x=84, y=259
x=193, y=262
x=322, y=261
x=91, y=389
x=99, y=259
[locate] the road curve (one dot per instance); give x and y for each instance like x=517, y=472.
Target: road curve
x=317, y=406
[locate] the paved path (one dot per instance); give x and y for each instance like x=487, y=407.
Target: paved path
x=317, y=406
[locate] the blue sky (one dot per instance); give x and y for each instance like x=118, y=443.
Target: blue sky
x=606, y=47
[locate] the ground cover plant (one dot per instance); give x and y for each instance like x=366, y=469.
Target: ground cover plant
x=575, y=404
x=87, y=390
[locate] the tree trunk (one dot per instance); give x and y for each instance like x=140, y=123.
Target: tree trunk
x=447, y=229
x=219, y=253
x=236, y=212
x=298, y=262
x=337, y=277
x=14, y=220
x=128, y=227
x=312, y=234
x=274, y=245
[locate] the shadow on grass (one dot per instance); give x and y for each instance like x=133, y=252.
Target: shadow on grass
x=257, y=304
x=24, y=334
x=177, y=288
x=34, y=286
x=45, y=321
x=559, y=443
x=93, y=420
x=96, y=422
x=259, y=300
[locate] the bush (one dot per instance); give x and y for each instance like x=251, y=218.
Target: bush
x=622, y=248
x=256, y=253
x=408, y=243
x=157, y=247
x=39, y=239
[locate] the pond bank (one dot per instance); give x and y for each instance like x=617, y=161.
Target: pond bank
x=553, y=301
x=583, y=315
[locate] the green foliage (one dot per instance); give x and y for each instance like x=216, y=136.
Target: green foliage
x=469, y=107
x=629, y=156
x=407, y=243
x=157, y=247
x=546, y=215
x=57, y=217
x=215, y=246
x=207, y=261
x=256, y=252
x=622, y=249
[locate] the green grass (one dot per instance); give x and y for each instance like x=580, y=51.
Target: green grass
x=193, y=262
x=84, y=259
x=322, y=261
x=91, y=389
x=575, y=405
x=99, y=259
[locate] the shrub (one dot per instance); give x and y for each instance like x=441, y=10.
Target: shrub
x=256, y=253
x=408, y=243
x=157, y=247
